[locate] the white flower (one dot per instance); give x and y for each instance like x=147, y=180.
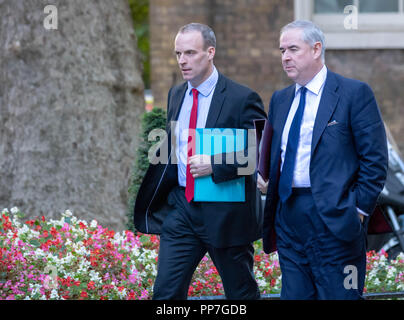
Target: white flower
x=261, y=283
x=94, y=276
x=400, y=256
x=54, y=294
x=14, y=210
x=391, y=272
x=122, y=294
x=39, y=253
x=67, y=214
x=67, y=259
x=118, y=238
x=81, y=250
x=16, y=222
x=5, y=210
x=93, y=224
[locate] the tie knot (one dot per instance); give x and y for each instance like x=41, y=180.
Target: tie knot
x=303, y=90
x=195, y=92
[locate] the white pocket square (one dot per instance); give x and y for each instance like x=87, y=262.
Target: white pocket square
x=332, y=123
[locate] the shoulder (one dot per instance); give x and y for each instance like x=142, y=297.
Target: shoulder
x=236, y=89
x=177, y=88
x=349, y=86
x=281, y=95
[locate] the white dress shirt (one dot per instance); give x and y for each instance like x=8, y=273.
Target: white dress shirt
x=206, y=90
x=301, y=173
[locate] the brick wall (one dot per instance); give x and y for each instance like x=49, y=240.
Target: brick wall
x=247, y=33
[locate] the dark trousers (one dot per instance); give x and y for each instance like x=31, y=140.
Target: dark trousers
x=314, y=263
x=183, y=243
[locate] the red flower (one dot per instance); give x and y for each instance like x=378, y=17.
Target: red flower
x=6, y=223
x=131, y=295
x=90, y=285
x=83, y=294
x=53, y=232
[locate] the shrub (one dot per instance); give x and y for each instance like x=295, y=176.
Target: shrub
x=155, y=119
x=72, y=259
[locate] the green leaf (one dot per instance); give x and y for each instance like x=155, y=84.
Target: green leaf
x=35, y=242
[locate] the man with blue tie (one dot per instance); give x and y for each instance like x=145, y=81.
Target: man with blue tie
x=328, y=165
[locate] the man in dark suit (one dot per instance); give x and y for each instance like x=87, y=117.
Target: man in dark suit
x=165, y=204
x=328, y=165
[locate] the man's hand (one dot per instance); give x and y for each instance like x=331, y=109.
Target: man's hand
x=261, y=184
x=200, y=165
x=361, y=217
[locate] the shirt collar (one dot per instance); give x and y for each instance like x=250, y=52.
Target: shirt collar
x=316, y=83
x=206, y=87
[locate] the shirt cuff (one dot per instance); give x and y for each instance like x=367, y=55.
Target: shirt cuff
x=362, y=212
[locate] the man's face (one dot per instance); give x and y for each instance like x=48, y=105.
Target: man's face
x=300, y=61
x=195, y=62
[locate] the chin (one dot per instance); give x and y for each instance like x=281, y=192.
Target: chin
x=291, y=75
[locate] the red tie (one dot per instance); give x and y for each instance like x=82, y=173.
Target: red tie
x=189, y=188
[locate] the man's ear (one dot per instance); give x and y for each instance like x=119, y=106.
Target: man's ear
x=317, y=48
x=211, y=53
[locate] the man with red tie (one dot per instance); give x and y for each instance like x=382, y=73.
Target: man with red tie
x=165, y=202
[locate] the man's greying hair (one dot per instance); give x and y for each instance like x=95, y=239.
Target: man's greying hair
x=208, y=36
x=311, y=33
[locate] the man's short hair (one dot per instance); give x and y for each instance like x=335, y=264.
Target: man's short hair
x=208, y=36
x=311, y=33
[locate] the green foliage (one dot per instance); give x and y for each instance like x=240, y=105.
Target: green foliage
x=140, y=17
x=155, y=119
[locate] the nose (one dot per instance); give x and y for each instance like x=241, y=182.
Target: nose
x=285, y=56
x=181, y=59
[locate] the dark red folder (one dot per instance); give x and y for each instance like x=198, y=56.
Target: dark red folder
x=264, y=130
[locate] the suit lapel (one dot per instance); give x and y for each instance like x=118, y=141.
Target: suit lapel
x=328, y=102
x=282, y=115
x=217, y=102
x=175, y=105
x=282, y=111
x=177, y=99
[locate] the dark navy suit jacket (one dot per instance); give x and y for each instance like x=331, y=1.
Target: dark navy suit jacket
x=227, y=223
x=349, y=157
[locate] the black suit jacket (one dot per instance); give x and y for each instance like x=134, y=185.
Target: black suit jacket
x=227, y=223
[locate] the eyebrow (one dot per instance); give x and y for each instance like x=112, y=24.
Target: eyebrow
x=290, y=47
x=185, y=51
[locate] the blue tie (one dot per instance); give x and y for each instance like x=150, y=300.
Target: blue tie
x=285, y=181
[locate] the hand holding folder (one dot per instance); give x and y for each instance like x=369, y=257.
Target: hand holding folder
x=264, y=131
x=211, y=141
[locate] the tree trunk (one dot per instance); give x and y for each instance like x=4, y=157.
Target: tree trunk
x=70, y=102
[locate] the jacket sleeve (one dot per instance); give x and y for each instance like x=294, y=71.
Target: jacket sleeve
x=243, y=163
x=371, y=146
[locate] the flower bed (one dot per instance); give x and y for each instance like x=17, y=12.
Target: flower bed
x=72, y=259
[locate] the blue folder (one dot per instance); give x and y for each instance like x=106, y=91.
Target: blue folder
x=213, y=141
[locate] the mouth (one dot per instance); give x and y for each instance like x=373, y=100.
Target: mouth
x=288, y=68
